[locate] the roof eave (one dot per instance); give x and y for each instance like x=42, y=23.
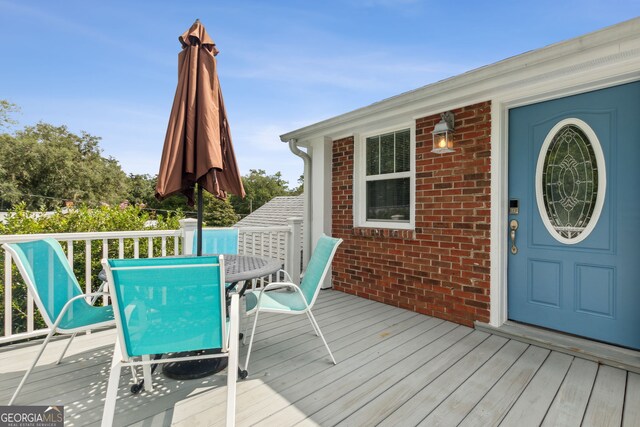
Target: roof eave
x=478, y=82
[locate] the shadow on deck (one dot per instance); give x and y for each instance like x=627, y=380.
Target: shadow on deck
x=395, y=367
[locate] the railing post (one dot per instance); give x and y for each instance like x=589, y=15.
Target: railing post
x=188, y=227
x=294, y=253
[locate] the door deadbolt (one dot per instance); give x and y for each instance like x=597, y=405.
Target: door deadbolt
x=513, y=225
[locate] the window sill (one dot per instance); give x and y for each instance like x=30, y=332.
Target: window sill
x=394, y=233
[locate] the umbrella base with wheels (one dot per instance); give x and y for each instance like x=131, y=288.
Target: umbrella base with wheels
x=194, y=369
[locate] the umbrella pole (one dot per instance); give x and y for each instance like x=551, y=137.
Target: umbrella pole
x=200, y=212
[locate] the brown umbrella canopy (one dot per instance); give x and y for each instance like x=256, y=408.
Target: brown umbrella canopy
x=197, y=147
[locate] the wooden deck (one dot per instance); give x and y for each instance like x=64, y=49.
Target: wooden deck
x=395, y=368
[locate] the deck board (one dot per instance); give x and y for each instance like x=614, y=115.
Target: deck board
x=570, y=402
x=631, y=414
x=357, y=347
x=424, y=401
x=452, y=410
x=607, y=398
x=358, y=381
x=531, y=407
x=395, y=367
x=496, y=403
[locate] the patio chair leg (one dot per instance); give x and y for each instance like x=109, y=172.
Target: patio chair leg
x=146, y=374
x=312, y=324
x=232, y=365
x=134, y=375
x=66, y=348
x=244, y=334
x=313, y=320
x=112, y=389
x=253, y=333
x=33, y=365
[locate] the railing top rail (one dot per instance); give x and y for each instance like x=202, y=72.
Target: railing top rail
x=11, y=238
x=258, y=229
x=94, y=235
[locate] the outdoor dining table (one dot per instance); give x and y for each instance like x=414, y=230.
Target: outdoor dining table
x=237, y=268
x=244, y=268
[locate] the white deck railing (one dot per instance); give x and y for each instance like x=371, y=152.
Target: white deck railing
x=281, y=243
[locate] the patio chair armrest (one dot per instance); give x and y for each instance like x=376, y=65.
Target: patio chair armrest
x=278, y=285
x=286, y=275
x=95, y=295
x=103, y=289
x=74, y=299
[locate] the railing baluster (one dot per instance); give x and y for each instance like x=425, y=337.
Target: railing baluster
x=136, y=247
x=8, y=287
x=164, y=246
x=87, y=266
x=150, y=248
x=30, y=312
x=121, y=248
x=105, y=255
x=70, y=252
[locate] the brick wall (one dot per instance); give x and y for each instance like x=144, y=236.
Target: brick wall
x=442, y=267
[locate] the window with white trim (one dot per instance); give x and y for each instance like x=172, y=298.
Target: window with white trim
x=386, y=187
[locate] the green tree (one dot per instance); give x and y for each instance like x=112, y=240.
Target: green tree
x=218, y=213
x=300, y=188
x=6, y=109
x=43, y=165
x=260, y=188
x=142, y=189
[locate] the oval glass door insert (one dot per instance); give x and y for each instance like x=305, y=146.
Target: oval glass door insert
x=570, y=181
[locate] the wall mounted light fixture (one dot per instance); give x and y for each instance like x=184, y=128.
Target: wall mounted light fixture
x=443, y=134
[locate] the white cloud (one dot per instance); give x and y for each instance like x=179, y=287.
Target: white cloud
x=360, y=69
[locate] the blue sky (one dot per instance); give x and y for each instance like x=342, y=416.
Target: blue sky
x=110, y=67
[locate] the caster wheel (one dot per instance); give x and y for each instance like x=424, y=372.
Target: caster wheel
x=243, y=374
x=135, y=389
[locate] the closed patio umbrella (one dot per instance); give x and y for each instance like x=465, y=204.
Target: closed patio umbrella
x=197, y=147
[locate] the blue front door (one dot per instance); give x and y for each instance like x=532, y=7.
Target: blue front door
x=574, y=181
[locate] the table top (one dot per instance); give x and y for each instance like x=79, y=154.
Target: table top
x=246, y=267
x=238, y=268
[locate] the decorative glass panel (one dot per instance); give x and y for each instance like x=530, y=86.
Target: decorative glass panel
x=570, y=181
x=388, y=200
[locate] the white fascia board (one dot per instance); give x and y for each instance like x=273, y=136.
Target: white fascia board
x=608, y=53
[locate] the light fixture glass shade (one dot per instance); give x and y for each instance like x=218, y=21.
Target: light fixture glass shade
x=443, y=134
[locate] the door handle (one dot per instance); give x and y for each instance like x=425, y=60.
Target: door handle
x=513, y=225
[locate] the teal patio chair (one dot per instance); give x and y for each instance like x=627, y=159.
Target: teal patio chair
x=217, y=241
x=288, y=298
x=55, y=289
x=170, y=305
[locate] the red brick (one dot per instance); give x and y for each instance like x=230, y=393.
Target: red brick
x=442, y=268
